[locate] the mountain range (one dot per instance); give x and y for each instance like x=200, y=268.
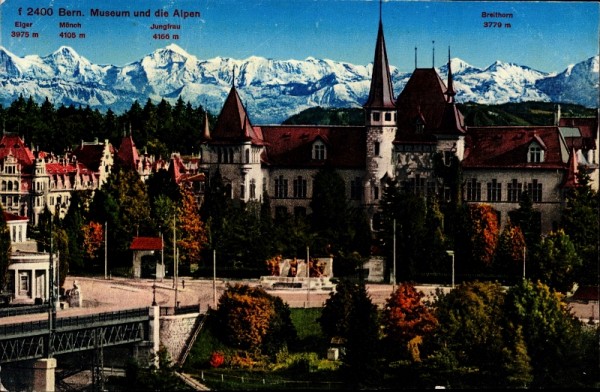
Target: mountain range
x=272, y=90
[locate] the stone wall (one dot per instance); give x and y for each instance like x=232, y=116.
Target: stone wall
x=175, y=331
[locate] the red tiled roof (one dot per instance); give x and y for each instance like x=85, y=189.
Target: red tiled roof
x=291, y=146
x=10, y=217
x=425, y=97
x=146, y=243
x=233, y=124
x=586, y=293
x=507, y=147
x=54, y=168
x=13, y=145
x=128, y=153
x=90, y=155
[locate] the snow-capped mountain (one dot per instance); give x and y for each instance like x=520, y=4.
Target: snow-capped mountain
x=272, y=90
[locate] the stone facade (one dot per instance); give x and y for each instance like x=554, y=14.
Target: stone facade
x=175, y=332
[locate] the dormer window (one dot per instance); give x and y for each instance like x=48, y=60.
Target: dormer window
x=535, y=153
x=319, y=151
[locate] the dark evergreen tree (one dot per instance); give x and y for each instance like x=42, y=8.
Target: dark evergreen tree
x=5, y=250
x=581, y=221
x=361, y=367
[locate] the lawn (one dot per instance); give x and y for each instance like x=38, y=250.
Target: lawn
x=307, y=367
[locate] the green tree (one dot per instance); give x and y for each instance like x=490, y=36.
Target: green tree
x=561, y=355
x=335, y=317
x=480, y=348
x=329, y=219
x=361, y=367
x=5, y=250
x=580, y=222
x=123, y=203
x=409, y=212
x=557, y=261
x=510, y=252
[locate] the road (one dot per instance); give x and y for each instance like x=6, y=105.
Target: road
x=104, y=295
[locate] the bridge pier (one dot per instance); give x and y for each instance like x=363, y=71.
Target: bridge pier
x=44, y=375
x=154, y=333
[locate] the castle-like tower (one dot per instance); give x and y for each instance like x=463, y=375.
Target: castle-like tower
x=380, y=123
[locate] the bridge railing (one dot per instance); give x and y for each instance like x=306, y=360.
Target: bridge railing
x=30, y=327
x=173, y=311
x=22, y=310
x=25, y=328
x=102, y=318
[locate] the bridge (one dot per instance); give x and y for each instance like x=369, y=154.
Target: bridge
x=36, y=339
x=39, y=341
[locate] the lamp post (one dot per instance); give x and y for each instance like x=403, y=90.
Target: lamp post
x=451, y=254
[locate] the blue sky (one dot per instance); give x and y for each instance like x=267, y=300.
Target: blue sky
x=547, y=36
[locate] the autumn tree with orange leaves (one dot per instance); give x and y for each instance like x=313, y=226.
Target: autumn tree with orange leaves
x=510, y=251
x=191, y=236
x=93, y=236
x=407, y=322
x=477, y=238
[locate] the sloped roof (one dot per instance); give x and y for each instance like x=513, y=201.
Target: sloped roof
x=11, y=144
x=233, y=124
x=588, y=128
x=291, y=146
x=507, y=147
x=146, y=243
x=128, y=153
x=91, y=154
x=425, y=97
x=570, y=180
x=381, y=94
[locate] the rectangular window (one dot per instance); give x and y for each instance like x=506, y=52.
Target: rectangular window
x=23, y=283
x=514, y=191
x=319, y=152
x=494, y=190
x=535, y=191
x=473, y=190
x=376, y=148
x=376, y=116
x=281, y=186
x=388, y=116
x=300, y=187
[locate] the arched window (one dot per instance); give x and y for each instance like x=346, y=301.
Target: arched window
x=247, y=156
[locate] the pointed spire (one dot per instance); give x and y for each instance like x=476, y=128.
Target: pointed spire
x=450, y=90
x=381, y=94
x=415, y=57
x=233, y=77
